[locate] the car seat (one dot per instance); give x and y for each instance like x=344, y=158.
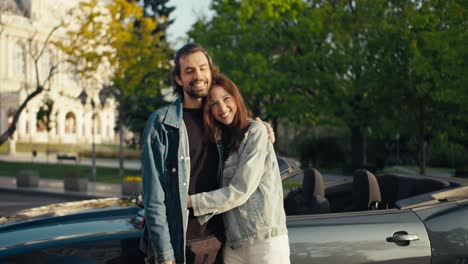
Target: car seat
x=310, y=199
x=366, y=191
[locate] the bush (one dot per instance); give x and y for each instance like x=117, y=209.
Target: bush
x=326, y=152
x=131, y=185
x=442, y=154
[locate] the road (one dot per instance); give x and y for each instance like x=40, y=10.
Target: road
x=11, y=201
x=43, y=158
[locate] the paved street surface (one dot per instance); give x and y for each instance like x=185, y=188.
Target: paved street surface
x=13, y=198
x=52, y=158
x=56, y=187
x=11, y=201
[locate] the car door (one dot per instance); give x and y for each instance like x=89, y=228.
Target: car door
x=383, y=236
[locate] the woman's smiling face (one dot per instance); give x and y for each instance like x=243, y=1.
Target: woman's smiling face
x=222, y=105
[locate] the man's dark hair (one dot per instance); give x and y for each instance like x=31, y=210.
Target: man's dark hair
x=182, y=52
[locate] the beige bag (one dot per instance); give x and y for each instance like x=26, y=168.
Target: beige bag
x=203, y=250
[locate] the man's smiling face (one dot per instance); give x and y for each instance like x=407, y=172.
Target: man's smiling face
x=195, y=75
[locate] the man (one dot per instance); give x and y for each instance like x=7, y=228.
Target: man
x=177, y=160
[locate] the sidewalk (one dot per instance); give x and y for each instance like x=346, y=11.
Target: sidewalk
x=55, y=187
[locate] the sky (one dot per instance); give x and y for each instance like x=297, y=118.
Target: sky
x=185, y=14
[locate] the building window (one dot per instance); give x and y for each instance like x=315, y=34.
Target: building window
x=10, y=116
x=70, y=123
x=18, y=59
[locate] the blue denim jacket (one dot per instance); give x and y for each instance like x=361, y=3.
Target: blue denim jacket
x=252, y=193
x=165, y=171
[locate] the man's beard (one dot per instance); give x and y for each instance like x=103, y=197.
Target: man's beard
x=196, y=95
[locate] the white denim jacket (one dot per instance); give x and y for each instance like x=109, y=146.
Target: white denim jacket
x=252, y=194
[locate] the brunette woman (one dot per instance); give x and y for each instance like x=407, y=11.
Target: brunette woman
x=251, y=198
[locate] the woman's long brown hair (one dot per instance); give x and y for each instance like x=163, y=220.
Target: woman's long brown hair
x=230, y=135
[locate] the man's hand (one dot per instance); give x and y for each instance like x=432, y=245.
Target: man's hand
x=271, y=133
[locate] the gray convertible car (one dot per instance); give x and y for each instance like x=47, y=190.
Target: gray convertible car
x=386, y=218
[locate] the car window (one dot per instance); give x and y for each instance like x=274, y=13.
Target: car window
x=283, y=165
x=98, y=252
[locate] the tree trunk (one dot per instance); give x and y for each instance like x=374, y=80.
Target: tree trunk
x=422, y=156
x=422, y=140
x=356, y=148
x=11, y=130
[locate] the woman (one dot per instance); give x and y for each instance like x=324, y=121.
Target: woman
x=252, y=196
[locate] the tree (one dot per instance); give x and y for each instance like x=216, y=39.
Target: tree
x=118, y=37
x=250, y=42
x=425, y=72
x=304, y=62
x=348, y=94
x=386, y=67
x=158, y=10
x=36, y=48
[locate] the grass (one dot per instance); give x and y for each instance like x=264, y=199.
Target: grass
x=432, y=169
x=56, y=171
x=291, y=184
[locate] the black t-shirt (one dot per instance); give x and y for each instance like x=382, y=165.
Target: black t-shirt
x=203, y=172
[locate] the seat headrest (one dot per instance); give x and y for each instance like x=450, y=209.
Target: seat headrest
x=366, y=190
x=312, y=183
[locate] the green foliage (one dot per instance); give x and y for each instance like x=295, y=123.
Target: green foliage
x=249, y=41
x=427, y=81
x=158, y=10
x=390, y=67
x=323, y=152
x=119, y=37
x=448, y=153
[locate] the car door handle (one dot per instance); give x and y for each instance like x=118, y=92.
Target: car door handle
x=402, y=238
x=405, y=238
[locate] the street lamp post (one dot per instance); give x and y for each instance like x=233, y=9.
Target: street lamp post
x=398, y=147
x=83, y=98
x=93, y=170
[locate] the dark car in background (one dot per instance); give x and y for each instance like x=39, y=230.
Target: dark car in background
x=386, y=218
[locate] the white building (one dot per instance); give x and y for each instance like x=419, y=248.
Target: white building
x=70, y=120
